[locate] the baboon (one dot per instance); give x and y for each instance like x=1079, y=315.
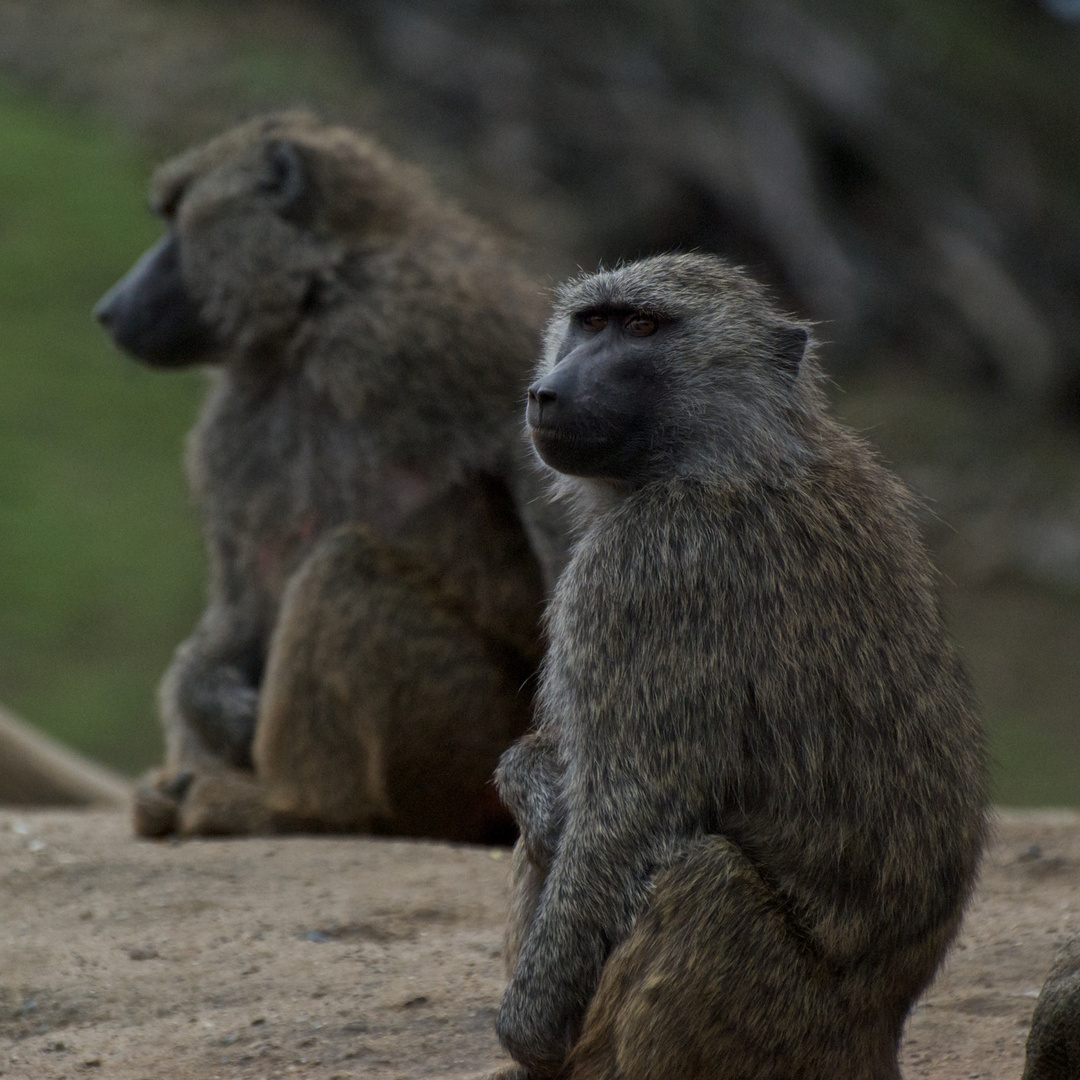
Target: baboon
x=1053, y=1046
x=378, y=544
x=753, y=805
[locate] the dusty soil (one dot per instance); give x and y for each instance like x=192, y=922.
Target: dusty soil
x=340, y=958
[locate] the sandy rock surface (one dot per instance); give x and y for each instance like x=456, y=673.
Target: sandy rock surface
x=341, y=958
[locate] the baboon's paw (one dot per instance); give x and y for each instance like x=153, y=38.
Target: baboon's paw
x=158, y=794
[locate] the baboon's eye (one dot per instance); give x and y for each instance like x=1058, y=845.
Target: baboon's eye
x=640, y=325
x=593, y=320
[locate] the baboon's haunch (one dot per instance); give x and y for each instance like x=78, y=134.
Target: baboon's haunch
x=376, y=540
x=753, y=806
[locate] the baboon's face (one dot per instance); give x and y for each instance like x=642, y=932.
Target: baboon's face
x=674, y=364
x=150, y=312
x=237, y=266
x=595, y=413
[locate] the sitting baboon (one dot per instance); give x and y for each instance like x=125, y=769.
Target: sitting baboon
x=1053, y=1046
x=378, y=544
x=753, y=806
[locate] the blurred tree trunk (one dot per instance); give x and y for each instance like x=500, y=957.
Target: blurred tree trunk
x=906, y=172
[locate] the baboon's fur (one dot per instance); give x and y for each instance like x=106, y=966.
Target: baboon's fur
x=753, y=806
x=1053, y=1046
x=378, y=550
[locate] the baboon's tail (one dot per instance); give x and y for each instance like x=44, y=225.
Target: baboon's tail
x=36, y=770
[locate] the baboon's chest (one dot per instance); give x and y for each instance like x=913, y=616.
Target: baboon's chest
x=287, y=521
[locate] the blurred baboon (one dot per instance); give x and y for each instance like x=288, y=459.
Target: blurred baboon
x=1053, y=1046
x=378, y=546
x=753, y=807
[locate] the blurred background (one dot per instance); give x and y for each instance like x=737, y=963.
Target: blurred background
x=907, y=173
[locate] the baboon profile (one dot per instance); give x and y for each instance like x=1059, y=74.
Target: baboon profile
x=378, y=548
x=753, y=805
x=1053, y=1046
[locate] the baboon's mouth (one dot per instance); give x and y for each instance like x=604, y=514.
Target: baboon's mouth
x=571, y=452
x=551, y=435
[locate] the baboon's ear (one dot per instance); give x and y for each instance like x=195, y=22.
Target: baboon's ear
x=286, y=181
x=790, y=349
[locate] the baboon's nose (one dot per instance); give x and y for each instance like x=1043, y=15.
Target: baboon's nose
x=541, y=399
x=103, y=309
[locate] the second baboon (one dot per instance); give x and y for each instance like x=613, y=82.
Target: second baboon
x=377, y=541
x=753, y=806
x=1053, y=1046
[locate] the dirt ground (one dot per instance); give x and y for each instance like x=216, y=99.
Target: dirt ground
x=340, y=958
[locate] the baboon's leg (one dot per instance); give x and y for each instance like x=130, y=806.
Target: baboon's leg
x=714, y=983
x=382, y=708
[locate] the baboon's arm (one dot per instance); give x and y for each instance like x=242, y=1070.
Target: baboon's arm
x=607, y=855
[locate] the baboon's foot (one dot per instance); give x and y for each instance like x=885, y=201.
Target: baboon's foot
x=156, y=806
x=507, y=1072
x=224, y=804
x=193, y=804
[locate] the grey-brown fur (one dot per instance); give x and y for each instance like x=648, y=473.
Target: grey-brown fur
x=753, y=806
x=1053, y=1046
x=378, y=544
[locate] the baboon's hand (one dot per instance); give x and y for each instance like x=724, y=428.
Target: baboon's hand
x=220, y=704
x=541, y=829
x=535, y=1036
x=239, y=707
x=211, y=687
x=529, y=778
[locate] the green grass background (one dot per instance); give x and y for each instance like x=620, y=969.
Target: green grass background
x=100, y=560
